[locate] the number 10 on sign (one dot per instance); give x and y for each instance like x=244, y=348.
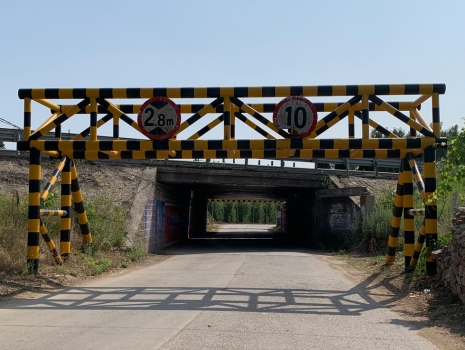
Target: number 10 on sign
x=297, y=114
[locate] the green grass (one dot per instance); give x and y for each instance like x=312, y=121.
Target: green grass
x=107, y=222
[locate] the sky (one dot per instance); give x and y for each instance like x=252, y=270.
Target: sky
x=50, y=44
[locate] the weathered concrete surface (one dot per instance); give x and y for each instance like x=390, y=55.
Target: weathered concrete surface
x=212, y=294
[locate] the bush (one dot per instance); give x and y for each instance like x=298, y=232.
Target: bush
x=107, y=223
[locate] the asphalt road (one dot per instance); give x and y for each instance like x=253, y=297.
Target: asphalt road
x=212, y=294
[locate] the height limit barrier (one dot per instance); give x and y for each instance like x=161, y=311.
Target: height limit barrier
x=293, y=130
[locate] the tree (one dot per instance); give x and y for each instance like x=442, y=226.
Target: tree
x=2, y=145
x=452, y=167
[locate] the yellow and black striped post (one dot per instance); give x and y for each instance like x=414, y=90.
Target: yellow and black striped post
x=417, y=176
x=50, y=244
x=431, y=224
x=418, y=247
x=436, y=115
x=232, y=114
x=93, y=120
x=413, y=132
x=79, y=207
x=227, y=118
x=351, y=124
x=33, y=224
x=27, y=119
x=396, y=218
x=409, y=220
x=365, y=117
x=65, y=221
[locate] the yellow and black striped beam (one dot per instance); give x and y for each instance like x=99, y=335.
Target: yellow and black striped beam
x=50, y=244
x=209, y=108
x=252, y=112
x=416, y=212
x=59, y=120
x=87, y=131
x=254, y=126
x=65, y=220
x=79, y=206
x=245, y=201
x=259, y=107
x=117, y=114
x=417, y=177
x=335, y=116
x=401, y=116
x=45, y=212
x=207, y=128
x=258, y=144
x=52, y=180
x=377, y=127
x=214, y=92
x=242, y=154
x=396, y=218
x=409, y=220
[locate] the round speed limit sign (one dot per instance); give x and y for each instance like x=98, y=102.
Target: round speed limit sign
x=297, y=114
x=159, y=118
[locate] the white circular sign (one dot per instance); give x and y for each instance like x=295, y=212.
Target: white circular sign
x=296, y=114
x=159, y=118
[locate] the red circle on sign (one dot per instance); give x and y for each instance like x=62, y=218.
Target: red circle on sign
x=294, y=110
x=159, y=118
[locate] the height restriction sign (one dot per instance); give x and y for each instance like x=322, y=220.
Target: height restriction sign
x=159, y=118
x=297, y=114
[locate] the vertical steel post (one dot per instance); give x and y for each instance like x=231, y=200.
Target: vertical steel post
x=27, y=119
x=409, y=220
x=79, y=206
x=351, y=124
x=33, y=222
x=418, y=247
x=436, y=115
x=58, y=132
x=227, y=118
x=234, y=109
x=115, y=127
x=93, y=119
x=365, y=118
x=413, y=132
x=65, y=221
x=431, y=223
x=396, y=217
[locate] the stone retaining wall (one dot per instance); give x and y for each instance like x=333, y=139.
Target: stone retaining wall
x=451, y=259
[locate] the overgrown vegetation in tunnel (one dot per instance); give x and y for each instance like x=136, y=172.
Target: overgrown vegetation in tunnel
x=243, y=212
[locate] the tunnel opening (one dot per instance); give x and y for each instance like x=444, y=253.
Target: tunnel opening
x=236, y=204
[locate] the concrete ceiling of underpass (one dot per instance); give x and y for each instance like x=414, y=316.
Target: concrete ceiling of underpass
x=240, y=183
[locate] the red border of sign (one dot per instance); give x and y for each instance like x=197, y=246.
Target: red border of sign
x=303, y=99
x=146, y=132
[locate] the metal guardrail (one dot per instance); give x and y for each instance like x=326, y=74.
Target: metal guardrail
x=14, y=135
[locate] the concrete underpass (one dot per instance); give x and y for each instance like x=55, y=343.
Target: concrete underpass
x=178, y=209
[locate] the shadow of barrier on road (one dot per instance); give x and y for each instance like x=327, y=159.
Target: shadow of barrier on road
x=270, y=300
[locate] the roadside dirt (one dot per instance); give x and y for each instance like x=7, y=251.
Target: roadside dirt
x=426, y=304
